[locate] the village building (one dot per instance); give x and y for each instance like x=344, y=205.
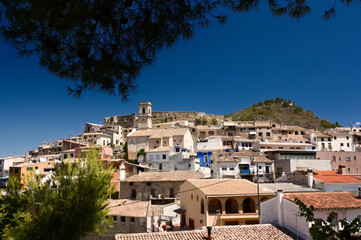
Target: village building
x=218, y=202
x=5, y=164
x=159, y=187
x=287, y=161
x=249, y=232
x=327, y=181
x=351, y=160
x=24, y=172
x=171, y=159
x=244, y=164
x=284, y=212
x=152, y=139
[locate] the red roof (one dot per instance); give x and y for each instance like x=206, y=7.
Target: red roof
x=334, y=177
x=327, y=200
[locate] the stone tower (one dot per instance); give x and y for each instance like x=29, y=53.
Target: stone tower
x=145, y=116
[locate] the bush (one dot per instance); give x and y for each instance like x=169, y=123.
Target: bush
x=214, y=121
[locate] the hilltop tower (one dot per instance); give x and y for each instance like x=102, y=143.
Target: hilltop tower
x=145, y=116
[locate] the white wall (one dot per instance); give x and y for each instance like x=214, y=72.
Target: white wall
x=211, y=144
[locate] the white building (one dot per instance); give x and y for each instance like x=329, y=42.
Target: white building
x=243, y=164
x=97, y=139
x=284, y=212
x=172, y=159
x=152, y=139
x=332, y=141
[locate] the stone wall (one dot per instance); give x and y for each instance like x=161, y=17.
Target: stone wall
x=158, y=117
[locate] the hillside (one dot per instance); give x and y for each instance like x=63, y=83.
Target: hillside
x=281, y=111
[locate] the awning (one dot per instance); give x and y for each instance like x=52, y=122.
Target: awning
x=179, y=210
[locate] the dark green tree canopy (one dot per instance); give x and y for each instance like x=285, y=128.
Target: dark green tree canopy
x=104, y=44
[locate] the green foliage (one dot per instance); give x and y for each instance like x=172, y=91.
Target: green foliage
x=297, y=109
x=322, y=229
x=201, y=121
x=269, y=102
x=327, y=124
x=141, y=152
x=285, y=104
x=278, y=100
x=75, y=208
x=260, y=104
x=125, y=149
x=103, y=45
x=214, y=121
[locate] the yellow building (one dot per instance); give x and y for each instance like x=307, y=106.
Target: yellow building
x=219, y=202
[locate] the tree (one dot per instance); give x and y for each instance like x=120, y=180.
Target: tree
x=201, y=121
x=103, y=45
x=214, y=121
x=75, y=208
x=322, y=229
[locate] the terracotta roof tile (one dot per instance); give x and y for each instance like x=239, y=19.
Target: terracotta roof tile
x=227, y=187
x=327, y=200
x=240, y=232
x=128, y=208
x=334, y=177
x=165, y=176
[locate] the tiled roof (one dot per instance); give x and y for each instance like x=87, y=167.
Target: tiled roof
x=327, y=200
x=261, y=159
x=334, y=177
x=129, y=208
x=165, y=176
x=240, y=232
x=158, y=133
x=161, y=149
x=215, y=187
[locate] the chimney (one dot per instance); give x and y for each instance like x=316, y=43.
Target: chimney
x=122, y=172
x=209, y=235
x=341, y=169
x=359, y=192
x=280, y=207
x=309, y=177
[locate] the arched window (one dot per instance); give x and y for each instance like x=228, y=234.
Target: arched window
x=248, y=206
x=231, y=205
x=214, y=206
x=202, y=206
x=143, y=110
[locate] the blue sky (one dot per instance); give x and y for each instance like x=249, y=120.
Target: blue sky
x=253, y=57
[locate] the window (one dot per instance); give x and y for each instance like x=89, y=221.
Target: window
x=132, y=220
x=164, y=156
x=335, y=137
x=115, y=218
x=224, y=169
x=160, y=166
x=171, y=192
x=214, y=206
x=354, y=158
x=348, y=145
x=347, y=137
x=340, y=158
x=348, y=158
x=260, y=134
x=232, y=168
x=152, y=192
x=349, y=169
x=322, y=139
x=29, y=168
x=341, y=144
x=334, y=158
x=148, y=183
x=16, y=170
x=231, y=206
x=206, y=159
x=202, y=206
x=248, y=206
x=268, y=134
x=134, y=194
x=122, y=219
x=130, y=184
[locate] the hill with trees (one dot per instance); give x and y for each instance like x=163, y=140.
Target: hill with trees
x=282, y=111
